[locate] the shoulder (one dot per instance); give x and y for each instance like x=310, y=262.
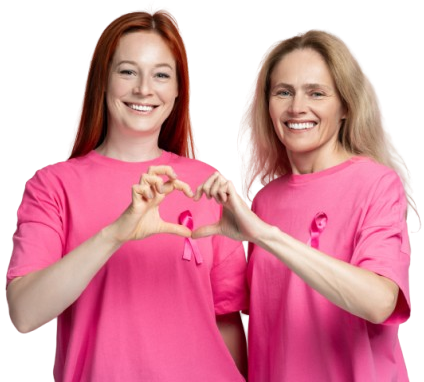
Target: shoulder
x=370, y=175
x=58, y=172
x=270, y=191
x=367, y=185
x=367, y=166
x=49, y=172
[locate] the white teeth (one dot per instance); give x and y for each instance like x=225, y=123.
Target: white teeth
x=141, y=107
x=301, y=126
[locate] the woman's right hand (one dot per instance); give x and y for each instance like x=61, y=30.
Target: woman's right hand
x=40, y=296
x=237, y=222
x=142, y=219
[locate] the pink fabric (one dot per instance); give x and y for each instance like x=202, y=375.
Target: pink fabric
x=147, y=315
x=295, y=334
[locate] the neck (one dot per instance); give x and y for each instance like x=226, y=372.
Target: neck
x=130, y=150
x=308, y=163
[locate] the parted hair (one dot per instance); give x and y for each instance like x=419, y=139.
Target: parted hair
x=361, y=133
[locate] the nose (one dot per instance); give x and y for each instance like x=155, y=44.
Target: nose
x=298, y=104
x=143, y=86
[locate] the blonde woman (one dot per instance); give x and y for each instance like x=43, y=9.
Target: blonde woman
x=329, y=254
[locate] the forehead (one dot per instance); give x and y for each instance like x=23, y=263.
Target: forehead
x=143, y=45
x=302, y=66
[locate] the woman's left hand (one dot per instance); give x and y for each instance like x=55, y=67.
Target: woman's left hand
x=237, y=222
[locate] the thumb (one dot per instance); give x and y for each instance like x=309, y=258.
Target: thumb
x=206, y=230
x=176, y=229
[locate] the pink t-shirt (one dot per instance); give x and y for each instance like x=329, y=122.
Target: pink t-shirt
x=354, y=212
x=148, y=314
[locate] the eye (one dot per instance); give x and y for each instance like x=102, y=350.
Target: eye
x=283, y=93
x=162, y=75
x=317, y=93
x=127, y=72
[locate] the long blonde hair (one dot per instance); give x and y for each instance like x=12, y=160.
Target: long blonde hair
x=361, y=133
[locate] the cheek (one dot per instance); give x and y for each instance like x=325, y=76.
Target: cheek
x=117, y=88
x=173, y=91
x=336, y=116
x=111, y=100
x=275, y=115
x=272, y=111
x=170, y=96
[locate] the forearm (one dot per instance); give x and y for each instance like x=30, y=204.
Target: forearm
x=356, y=290
x=42, y=295
x=231, y=328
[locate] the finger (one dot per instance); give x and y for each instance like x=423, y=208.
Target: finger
x=176, y=229
x=206, y=187
x=142, y=191
x=162, y=170
x=228, y=188
x=216, y=185
x=207, y=230
x=179, y=185
x=198, y=194
x=223, y=196
x=219, y=189
x=153, y=181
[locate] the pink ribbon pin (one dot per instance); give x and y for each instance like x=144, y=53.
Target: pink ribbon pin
x=317, y=226
x=190, y=246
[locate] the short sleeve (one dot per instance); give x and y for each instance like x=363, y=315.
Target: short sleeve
x=38, y=239
x=382, y=243
x=228, y=276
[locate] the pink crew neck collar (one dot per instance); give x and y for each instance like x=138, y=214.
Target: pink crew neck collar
x=162, y=159
x=303, y=178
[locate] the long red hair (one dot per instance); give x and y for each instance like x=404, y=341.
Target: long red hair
x=175, y=135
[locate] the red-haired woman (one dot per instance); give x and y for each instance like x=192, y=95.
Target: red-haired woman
x=136, y=298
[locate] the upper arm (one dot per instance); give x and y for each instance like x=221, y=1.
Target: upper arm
x=38, y=240
x=382, y=243
x=12, y=282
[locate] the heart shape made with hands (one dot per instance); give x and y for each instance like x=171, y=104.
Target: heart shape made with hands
x=154, y=187
x=186, y=219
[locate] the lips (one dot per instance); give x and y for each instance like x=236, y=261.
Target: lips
x=137, y=107
x=300, y=125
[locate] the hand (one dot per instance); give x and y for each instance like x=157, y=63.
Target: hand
x=141, y=219
x=237, y=222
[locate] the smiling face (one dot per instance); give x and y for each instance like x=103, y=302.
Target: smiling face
x=142, y=86
x=305, y=108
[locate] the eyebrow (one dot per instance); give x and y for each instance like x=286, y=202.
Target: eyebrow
x=307, y=86
x=160, y=65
